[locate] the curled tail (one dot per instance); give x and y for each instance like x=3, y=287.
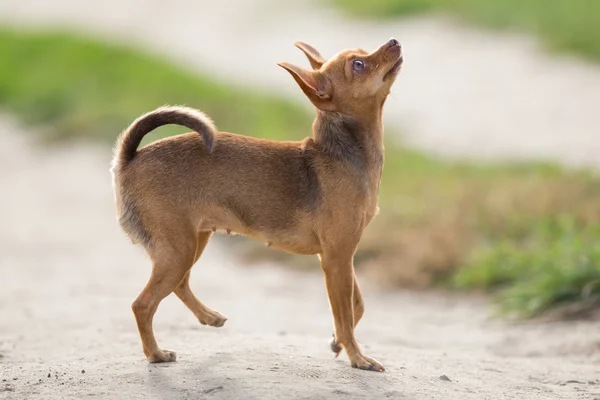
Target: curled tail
x=130, y=139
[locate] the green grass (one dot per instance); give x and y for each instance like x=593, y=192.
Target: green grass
x=529, y=234
x=525, y=232
x=83, y=88
x=558, y=266
x=566, y=25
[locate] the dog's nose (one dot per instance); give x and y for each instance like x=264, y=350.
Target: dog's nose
x=392, y=43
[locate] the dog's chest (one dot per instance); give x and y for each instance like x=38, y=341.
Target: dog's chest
x=374, y=182
x=372, y=211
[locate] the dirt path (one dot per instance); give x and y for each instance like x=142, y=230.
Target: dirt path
x=462, y=92
x=69, y=276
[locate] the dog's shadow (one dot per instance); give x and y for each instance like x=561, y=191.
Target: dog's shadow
x=193, y=379
x=226, y=375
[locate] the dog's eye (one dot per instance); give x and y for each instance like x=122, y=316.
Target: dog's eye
x=358, y=65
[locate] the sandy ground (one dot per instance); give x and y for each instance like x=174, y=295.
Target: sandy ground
x=66, y=330
x=68, y=275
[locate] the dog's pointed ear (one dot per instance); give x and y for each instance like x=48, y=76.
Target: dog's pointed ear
x=314, y=58
x=314, y=84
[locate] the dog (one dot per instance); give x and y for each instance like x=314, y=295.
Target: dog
x=312, y=197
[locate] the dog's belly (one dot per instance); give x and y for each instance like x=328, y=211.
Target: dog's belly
x=294, y=238
x=302, y=246
x=292, y=242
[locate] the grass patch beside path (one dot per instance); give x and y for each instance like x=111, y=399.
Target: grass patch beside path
x=526, y=232
x=84, y=88
x=566, y=25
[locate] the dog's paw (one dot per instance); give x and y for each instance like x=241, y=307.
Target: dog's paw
x=213, y=318
x=163, y=356
x=335, y=346
x=368, y=364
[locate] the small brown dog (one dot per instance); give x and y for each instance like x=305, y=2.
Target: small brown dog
x=310, y=197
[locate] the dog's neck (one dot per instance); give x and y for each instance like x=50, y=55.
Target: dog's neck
x=349, y=140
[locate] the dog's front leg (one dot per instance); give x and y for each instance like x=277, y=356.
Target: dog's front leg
x=339, y=278
x=359, y=309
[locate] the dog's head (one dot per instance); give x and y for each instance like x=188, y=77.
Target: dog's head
x=351, y=82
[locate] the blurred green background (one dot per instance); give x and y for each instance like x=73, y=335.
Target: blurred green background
x=527, y=233
x=572, y=25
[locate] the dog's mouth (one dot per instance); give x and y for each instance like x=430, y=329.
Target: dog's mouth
x=395, y=68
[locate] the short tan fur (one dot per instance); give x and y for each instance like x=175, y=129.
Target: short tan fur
x=315, y=196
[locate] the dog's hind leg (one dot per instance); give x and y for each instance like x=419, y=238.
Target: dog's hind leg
x=169, y=266
x=205, y=315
